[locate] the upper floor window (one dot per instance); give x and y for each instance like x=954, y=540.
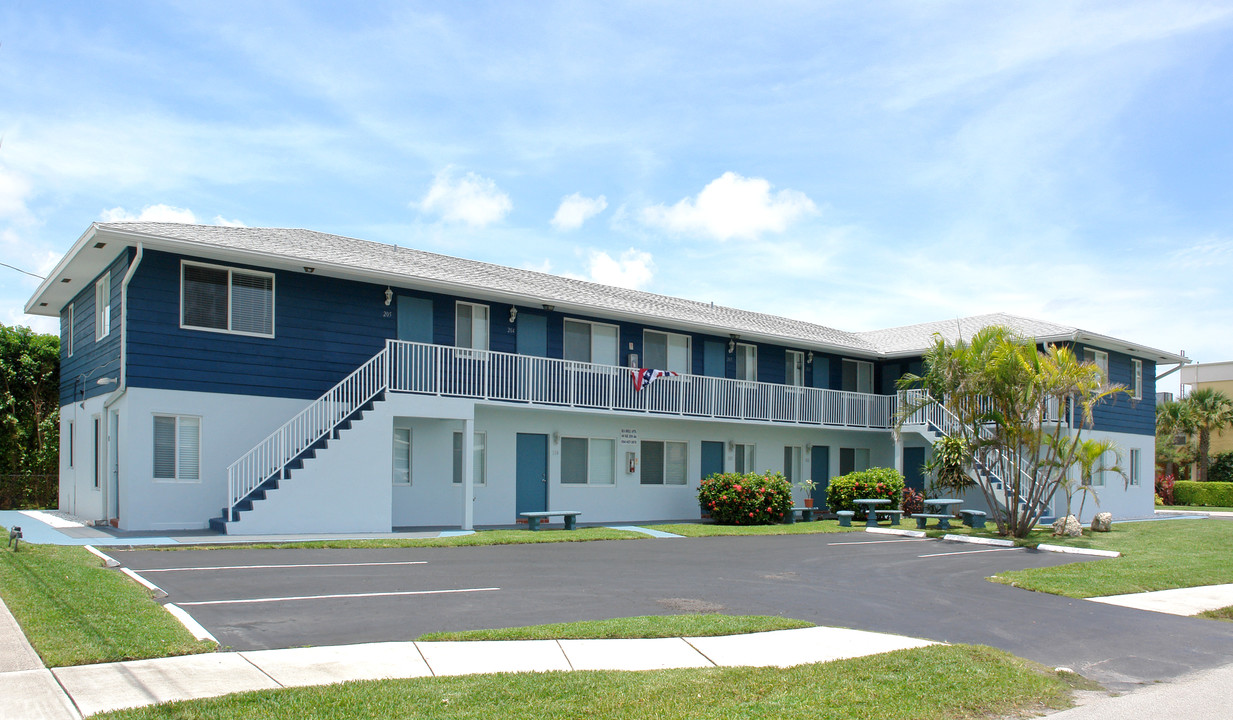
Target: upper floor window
x=590, y=342
x=858, y=376
x=794, y=367
x=746, y=362
x=102, y=306
x=1100, y=357
x=471, y=326
x=666, y=351
x=68, y=329
x=226, y=300
x=1136, y=379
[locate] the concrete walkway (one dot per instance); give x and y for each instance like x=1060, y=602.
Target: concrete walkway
x=1180, y=601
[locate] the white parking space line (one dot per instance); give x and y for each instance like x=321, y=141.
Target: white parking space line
x=333, y=597
x=272, y=567
x=969, y=552
x=879, y=542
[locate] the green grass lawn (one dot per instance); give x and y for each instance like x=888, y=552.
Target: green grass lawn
x=1158, y=555
x=1196, y=508
x=74, y=611
x=932, y=683
x=483, y=537
x=1225, y=614
x=646, y=626
x=800, y=528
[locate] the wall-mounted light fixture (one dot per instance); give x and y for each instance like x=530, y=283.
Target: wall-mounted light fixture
x=732, y=343
x=731, y=444
x=389, y=295
x=513, y=313
x=556, y=438
x=106, y=381
x=309, y=270
x=809, y=359
x=549, y=308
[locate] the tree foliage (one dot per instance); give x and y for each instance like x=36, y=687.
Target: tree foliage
x=1210, y=412
x=29, y=402
x=997, y=391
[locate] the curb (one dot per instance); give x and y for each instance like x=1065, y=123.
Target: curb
x=1079, y=551
x=107, y=559
x=892, y=531
x=189, y=623
x=158, y=591
x=979, y=540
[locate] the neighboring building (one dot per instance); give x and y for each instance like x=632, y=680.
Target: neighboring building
x=279, y=381
x=1217, y=376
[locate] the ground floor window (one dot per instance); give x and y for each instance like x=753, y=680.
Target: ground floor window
x=792, y=463
x=402, y=456
x=98, y=452
x=664, y=463
x=1134, y=465
x=72, y=436
x=177, y=447
x=743, y=458
x=853, y=459
x=479, y=458
x=588, y=461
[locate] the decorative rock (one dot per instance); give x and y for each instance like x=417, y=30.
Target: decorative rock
x=1068, y=526
x=1103, y=522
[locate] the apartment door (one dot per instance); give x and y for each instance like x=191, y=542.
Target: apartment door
x=712, y=458
x=913, y=459
x=531, y=473
x=819, y=473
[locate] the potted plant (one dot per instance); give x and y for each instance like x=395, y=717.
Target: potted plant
x=806, y=486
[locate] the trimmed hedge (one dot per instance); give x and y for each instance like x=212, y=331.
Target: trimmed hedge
x=875, y=483
x=746, y=499
x=1191, y=492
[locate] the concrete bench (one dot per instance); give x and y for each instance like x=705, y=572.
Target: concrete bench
x=973, y=518
x=923, y=518
x=533, y=518
x=806, y=514
x=845, y=517
x=894, y=515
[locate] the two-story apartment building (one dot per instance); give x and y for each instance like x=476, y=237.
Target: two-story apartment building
x=269, y=380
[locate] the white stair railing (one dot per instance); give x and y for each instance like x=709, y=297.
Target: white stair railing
x=314, y=422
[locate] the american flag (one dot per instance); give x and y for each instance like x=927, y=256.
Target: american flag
x=645, y=376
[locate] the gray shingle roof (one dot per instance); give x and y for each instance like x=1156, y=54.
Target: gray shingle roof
x=909, y=338
x=310, y=247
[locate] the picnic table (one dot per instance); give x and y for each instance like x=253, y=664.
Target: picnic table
x=871, y=507
x=941, y=512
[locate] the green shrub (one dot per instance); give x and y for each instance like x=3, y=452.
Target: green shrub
x=1221, y=469
x=876, y=483
x=1191, y=492
x=746, y=499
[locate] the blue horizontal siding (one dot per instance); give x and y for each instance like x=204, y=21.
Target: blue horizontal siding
x=1122, y=414
x=91, y=360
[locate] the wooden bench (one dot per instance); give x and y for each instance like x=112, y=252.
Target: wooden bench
x=923, y=518
x=973, y=518
x=533, y=518
x=806, y=514
x=894, y=515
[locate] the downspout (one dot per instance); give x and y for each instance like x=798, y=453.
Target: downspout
x=119, y=391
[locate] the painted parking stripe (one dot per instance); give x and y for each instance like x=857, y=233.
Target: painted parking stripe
x=879, y=542
x=271, y=567
x=969, y=552
x=333, y=597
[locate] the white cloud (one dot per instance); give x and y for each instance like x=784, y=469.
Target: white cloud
x=634, y=269
x=220, y=220
x=732, y=206
x=544, y=267
x=151, y=213
x=14, y=189
x=470, y=199
x=576, y=210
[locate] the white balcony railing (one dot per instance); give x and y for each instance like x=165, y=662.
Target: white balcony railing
x=506, y=377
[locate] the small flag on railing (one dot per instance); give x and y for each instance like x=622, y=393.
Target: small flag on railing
x=645, y=376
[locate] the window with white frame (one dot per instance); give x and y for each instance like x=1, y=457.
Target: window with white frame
x=590, y=342
x=471, y=326
x=1099, y=357
x=743, y=458
x=225, y=299
x=98, y=452
x=102, y=306
x=1136, y=379
x=177, y=448
x=1135, y=459
x=664, y=463
x=479, y=456
x=72, y=440
x=794, y=367
x=68, y=339
x=666, y=351
x=588, y=461
x=746, y=362
x=853, y=459
x=402, y=456
x=792, y=462
x=858, y=376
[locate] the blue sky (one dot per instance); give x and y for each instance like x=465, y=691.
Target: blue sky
x=861, y=165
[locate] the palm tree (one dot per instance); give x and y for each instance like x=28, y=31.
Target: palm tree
x=1212, y=411
x=1174, y=427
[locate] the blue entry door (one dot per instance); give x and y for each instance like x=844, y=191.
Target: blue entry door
x=531, y=473
x=532, y=335
x=913, y=476
x=712, y=458
x=820, y=473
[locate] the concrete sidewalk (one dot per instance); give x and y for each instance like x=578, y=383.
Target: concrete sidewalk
x=1179, y=601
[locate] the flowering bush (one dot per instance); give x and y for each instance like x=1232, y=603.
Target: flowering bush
x=876, y=483
x=746, y=499
x=912, y=503
x=1164, y=488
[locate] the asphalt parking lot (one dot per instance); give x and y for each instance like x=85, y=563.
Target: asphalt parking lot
x=257, y=599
